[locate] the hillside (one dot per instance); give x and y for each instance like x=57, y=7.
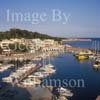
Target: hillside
x=18, y=33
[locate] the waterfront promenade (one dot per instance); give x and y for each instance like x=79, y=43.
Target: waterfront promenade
x=39, y=54
x=28, y=56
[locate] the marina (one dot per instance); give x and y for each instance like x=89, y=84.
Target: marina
x=28, y=72
x=31, y=75
x=49, y=66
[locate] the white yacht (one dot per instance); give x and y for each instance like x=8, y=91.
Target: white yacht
x=27, y=83
x=45, y=73
x=97, y=64
x=31, y=81
x=38, y=74
x=5, y=67
x=65, y=92
x=50, y=65
x=48, y=69
x=7, y=79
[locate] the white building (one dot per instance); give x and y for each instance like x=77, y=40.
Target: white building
x=5, y=45
x=38, y=43
x=49, y=42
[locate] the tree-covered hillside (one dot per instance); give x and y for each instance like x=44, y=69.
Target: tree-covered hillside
x=18, y=33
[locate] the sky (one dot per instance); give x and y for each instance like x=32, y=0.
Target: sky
x=62, y=18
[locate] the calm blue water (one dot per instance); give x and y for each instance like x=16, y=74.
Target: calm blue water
x=80, y=44
x=84, y=44
x=70, y=68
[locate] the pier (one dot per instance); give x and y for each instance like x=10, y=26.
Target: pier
x=27, y=73
x=76, y=50
x=21, y=74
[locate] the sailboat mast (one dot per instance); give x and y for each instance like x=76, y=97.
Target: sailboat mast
x=92, y=45
x=95, y=48
x=98, y=47
x=49, y=57
x=43, y=59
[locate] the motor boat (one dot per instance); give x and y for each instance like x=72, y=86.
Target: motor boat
x=97, y=64
x=38, y=74
x=30, y=81
x=65, y=92
x=48, y=70
x=50, y=65
x=7, y=79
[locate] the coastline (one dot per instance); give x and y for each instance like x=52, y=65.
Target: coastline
x=77, y=39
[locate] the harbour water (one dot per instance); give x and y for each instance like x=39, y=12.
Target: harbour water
x=68, y=67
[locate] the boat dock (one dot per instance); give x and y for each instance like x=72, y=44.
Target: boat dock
x=21, y=73
x=76, y=50
x=27, y=73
